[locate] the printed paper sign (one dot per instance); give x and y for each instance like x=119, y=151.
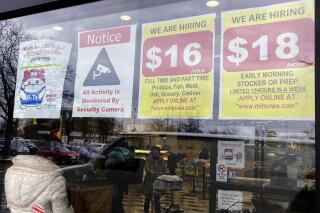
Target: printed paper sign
x=228, y=198
x=105, y=69
x=40, y=78
x=231, y=153
x=267, y=63
x=222, y=173
x=176, y=78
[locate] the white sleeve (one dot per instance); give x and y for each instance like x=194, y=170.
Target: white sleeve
x=59, y=197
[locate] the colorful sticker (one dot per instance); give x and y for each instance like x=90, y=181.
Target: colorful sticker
x=40, y=78
x=231, y=153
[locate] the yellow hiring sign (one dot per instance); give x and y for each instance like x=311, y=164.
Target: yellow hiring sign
x=176, y=77
x=267, y=63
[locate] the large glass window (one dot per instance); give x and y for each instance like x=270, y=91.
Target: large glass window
x=164, y=106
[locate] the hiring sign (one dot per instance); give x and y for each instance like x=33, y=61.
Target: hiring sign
x=104, y=77
x=267, y=62
x=176, y=76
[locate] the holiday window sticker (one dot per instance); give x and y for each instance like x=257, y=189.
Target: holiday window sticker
x=40, y=78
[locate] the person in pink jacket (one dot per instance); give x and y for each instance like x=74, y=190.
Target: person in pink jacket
x=35, y=185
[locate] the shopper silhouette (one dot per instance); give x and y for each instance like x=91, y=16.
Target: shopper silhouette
x=172, y=163
x=155, y=166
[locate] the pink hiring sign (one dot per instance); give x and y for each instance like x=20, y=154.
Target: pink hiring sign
x=269, y=46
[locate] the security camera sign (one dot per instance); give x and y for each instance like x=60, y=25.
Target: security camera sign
x=104, y=79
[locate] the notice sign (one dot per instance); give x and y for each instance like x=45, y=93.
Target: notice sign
x=176, y=78
x=228, y=198
x=222, y=173
x=267, y=63
x=40, y=78
x=105, y=69
x=231, y=153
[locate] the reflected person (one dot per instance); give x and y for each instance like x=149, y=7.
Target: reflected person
x=155, y=166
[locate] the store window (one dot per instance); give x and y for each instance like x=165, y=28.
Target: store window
x=159, y=106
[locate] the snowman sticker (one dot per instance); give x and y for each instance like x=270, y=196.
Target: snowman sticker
x=32, y=88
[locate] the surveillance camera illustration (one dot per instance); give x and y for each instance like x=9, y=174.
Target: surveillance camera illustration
x=99, y=70
x=102, y=72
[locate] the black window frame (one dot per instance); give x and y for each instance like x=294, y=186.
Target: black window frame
x=60, y=4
